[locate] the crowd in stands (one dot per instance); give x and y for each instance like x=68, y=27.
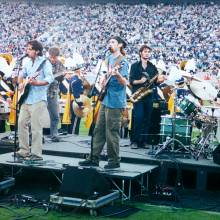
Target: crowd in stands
x=174, y=32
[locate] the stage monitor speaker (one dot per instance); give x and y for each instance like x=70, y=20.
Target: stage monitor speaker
x=85, y=183
x=216, y=155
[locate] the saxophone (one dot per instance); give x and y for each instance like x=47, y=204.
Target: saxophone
x=143, y=91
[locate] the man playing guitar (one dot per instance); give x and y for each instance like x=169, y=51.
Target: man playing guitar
x=35, y=103
x=109, y=120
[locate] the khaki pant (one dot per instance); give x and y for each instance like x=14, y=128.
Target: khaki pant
x=31, y=115
x=107, y=130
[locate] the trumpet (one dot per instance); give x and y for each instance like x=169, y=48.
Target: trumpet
x=143, y=91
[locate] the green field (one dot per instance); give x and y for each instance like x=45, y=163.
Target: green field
x=146, y=212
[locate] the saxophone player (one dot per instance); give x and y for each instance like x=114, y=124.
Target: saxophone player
x=141, y=73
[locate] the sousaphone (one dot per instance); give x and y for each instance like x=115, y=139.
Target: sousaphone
x=82, y=111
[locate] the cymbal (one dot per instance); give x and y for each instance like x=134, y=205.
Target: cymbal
x=203, y=90
x=212, y=106
x=191, y=77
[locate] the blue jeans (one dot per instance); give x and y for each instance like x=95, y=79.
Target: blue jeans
x=53, y=108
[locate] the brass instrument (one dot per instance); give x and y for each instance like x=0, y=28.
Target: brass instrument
x=8, y=57
x=82, y=111
x=143, y=91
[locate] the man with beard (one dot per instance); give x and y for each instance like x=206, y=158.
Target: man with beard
x=38, y=71
x=108, y=125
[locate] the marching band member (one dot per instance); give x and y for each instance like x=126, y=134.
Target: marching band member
x=6, y=92
x=77, y=89
x=67, y=98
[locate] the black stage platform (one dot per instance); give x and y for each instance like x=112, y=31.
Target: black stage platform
x=174, y=169
x=126, y=173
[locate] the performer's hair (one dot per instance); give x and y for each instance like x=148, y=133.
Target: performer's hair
x=122, y=51
x=54, y=51
x=120, y=41
x=143, y=47
x=36, y=45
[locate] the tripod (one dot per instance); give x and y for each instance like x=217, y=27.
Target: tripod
x=171, y=141
x=16, y=111
x=202, y=146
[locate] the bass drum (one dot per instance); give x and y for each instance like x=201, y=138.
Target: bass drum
x=182, y=127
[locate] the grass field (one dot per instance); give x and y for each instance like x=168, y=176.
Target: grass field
x=146, y=212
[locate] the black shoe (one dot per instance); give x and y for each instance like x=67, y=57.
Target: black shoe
x=112, y=166
x=88, y=163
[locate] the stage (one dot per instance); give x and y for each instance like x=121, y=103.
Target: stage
x=165, y=169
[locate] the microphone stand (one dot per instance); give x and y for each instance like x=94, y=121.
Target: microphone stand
x=94, y=104
x=16, y=111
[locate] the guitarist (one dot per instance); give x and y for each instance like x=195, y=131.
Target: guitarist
x=35, y=104
x=140, y=73
x=108, y=125
x=53, y=92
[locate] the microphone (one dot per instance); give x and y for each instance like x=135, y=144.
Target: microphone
x=21, y=58
x=105, y=50
x=102, y=55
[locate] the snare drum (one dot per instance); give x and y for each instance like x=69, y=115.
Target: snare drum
x=188, y=106
x=183, y=129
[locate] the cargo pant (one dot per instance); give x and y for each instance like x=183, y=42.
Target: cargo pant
x=107, y=130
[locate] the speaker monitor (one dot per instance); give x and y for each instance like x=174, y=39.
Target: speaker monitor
x=216, y=155
x=85, y=183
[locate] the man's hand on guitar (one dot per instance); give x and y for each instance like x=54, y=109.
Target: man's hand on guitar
x=33, y=82
x=115, y=72
x=21, y=86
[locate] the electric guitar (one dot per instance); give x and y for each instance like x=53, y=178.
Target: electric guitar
x=104, y=88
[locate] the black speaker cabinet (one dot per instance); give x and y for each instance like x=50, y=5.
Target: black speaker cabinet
x=85, y=183
x=216, y=155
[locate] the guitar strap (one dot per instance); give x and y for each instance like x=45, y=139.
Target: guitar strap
x=39, y=68
x=119, y=59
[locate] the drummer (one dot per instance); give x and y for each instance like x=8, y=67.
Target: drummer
x=178, y=94
x=181, y=89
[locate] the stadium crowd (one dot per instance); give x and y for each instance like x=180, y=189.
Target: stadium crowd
x=175, y=32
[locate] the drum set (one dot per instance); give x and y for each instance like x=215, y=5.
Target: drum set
x=196, y=108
